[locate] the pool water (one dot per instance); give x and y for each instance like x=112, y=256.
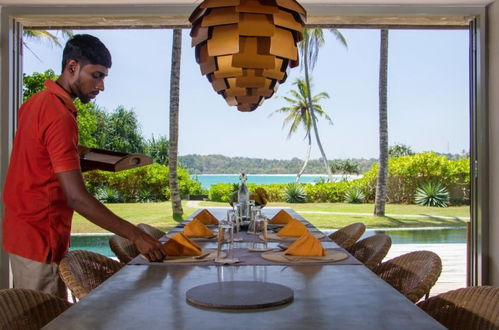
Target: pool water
x=92, y=242
x=100, y=242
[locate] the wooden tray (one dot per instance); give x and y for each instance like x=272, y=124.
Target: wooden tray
x=239, y=295
x=107, y=160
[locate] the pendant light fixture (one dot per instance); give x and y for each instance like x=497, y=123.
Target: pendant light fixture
x=244, y=47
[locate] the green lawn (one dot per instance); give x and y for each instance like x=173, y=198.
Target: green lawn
x=155, y=214
x=398, y=215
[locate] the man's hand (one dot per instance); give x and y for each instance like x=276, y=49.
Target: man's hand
x=149, y=247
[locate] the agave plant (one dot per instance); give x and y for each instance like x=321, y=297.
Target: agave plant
x=294, y=193
x=432, y=194
x=354, y=195
x=107, y=194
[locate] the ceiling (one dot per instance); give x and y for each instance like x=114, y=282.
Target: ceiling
x=193, y=2
x=45, y=14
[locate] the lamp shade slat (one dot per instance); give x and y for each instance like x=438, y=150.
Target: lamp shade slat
x=220, y=16
x=224, y=40
x=218, y=3
x=256, y=25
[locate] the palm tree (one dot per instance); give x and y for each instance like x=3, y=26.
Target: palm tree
x=174, y=105
x=45, y=35
x=298, y=114
x=380, y=199
x=313, y=39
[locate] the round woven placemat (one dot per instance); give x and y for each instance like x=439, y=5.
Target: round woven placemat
x=275, y=237
x=279, y=256
x=206, y=255
x=239, y=295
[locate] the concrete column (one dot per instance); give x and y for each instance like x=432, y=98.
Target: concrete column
x=493, y=105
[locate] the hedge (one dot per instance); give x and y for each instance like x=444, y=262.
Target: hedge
x=146, y=183
x=405, y=174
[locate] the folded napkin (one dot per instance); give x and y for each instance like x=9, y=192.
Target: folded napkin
x=307, y=245
x=180, y=245
x=196, y=228
x=282, y=217
x=206, y=217
x=293, y=228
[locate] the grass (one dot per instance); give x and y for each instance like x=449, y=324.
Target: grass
x=155, y=214
x=398, y=215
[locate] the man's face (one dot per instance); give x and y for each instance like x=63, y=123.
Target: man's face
x=89, y=81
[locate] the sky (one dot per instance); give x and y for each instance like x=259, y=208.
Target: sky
x=428, y=97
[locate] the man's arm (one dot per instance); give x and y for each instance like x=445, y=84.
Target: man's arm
x=79, y=199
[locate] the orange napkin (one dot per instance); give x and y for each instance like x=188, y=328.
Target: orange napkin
x=282, y=217
x=307, y=245
x=293, y=228
x=181, y=245
x=196, y=228
x=206, y=217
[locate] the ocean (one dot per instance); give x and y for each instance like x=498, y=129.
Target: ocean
x=207, y=180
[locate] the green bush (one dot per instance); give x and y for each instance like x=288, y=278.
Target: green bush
x=294, y=193
x=354, y=196
x=431, y=194
x=220, y=192
x=146, y=183
x=406, y=173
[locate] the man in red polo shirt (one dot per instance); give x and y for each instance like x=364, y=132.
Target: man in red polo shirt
x=44, y=182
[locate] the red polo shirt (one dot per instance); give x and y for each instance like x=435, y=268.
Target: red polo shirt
x=37, y=220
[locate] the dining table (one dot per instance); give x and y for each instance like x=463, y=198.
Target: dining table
x=341, y=294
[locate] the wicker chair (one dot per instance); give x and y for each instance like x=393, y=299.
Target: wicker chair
x=412, y=274
x=123, y=248
x=468, y=308
x=25, y=309
x=153, y=231
x=348, y=235
x=371, y=250
x=83, y=271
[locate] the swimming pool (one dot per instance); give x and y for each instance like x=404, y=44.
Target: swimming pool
x=100, y=242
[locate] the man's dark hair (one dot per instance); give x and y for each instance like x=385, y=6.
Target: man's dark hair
x=86, y=49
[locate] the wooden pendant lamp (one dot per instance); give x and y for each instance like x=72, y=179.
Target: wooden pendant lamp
x=244, y=47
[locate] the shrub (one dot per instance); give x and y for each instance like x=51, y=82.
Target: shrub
x=108, y=195
x=406, y=173
x=431, y=194
x=354, y=195
x=294, y=193
x=220, y=192
x=146, y=183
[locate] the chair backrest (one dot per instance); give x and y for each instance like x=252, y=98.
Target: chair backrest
x=153, y=231
x=83, y=271
x=28, y=309
x=123, y=248
x=348, y=235
x=468, y=308
x=371, y=250
x=413, y=274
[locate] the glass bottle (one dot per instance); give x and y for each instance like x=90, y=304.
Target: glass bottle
x=243, y=196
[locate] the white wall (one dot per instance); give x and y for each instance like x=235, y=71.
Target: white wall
x=493, y=61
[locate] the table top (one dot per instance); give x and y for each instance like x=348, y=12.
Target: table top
x=325, y=297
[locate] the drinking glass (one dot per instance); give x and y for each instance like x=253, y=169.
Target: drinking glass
x=233, y=217
x=225, y=242
x=260, y=241
x=255, y=212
